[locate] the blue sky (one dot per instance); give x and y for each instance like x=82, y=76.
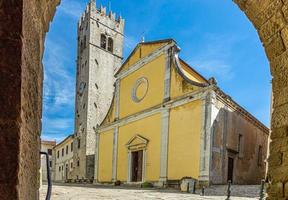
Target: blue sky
x=215, y=38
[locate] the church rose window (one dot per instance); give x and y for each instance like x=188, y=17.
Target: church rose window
x=139, y=90
x=103, y=41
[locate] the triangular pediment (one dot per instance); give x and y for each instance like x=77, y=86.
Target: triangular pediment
x=136, y=142
x=142, y=50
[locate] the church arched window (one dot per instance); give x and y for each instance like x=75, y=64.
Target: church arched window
x=103, y=41
x=110, y=45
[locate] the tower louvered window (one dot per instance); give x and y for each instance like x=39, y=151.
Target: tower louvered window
x=110, y=45
x=103, y=41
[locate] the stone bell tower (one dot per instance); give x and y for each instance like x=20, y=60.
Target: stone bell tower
x=100, y=47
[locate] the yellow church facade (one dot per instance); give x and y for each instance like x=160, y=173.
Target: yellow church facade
x=166, y=122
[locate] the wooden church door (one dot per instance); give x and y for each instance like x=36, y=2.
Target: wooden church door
x=137, y=163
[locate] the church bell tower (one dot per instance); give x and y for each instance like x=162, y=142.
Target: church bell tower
x=99, y=56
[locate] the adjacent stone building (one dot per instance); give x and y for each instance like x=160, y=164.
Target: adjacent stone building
x=46, y=146
x=100, y=45
x=167, y=122
x=63, y=160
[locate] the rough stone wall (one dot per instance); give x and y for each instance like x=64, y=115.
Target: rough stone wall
x=270, y=18
x=10, y=101
x=227, y=127
x=23, y=28
x=96, y=68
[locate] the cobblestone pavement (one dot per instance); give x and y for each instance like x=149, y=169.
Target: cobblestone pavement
x=90, y=192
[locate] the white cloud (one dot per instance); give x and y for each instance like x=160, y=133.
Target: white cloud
x=212, y=67
x=215, y=57
x=56, y=128
x=59, y=90
x=57, y=123
x=59, y=85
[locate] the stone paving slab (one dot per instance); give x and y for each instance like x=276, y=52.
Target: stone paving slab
x=88, y=192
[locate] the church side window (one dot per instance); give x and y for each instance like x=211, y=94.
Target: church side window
x=57, y=154
x=240, y=145
x=62, y=152
x=260, y=156
x=110, y=45
x=103, y=41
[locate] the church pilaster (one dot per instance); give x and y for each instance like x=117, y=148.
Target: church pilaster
x=206, y=138
x=164, y=146
x=167, y=75
x=117, y=98
x=114, y=158
x=96, y=157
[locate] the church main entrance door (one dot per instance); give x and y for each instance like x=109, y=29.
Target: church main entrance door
x=137, y=163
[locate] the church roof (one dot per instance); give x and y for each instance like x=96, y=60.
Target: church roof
x=164, y=41
x=159, y=43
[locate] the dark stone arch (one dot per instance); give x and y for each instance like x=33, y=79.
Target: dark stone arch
x=24, y=24
x=22, y=35
x=270, y=18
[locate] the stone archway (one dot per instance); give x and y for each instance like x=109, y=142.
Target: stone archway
x=24, y=24
x=270, y=18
